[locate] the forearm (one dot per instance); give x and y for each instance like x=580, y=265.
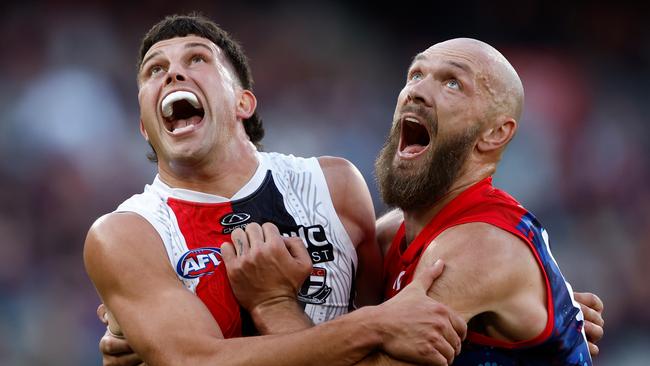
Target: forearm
x=279, y=317
x=344, y=341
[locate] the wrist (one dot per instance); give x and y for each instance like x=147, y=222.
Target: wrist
x=279, y=315
x=369, y=319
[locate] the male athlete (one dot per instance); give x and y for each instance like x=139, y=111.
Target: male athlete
x=456, y=114
x=157, y=261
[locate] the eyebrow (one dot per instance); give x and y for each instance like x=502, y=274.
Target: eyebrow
x=188, y=45
x=146, y=59
x=459, y=65
x=418, y=57
x=198, y=44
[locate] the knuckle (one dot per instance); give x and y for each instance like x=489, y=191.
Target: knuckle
x=268, y=225
x=252, y=226
x=104, y=345
x=439, y=308
x=438, y=325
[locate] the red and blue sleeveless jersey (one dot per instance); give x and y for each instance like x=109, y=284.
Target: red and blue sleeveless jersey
x=562, y=342
x=288, y=191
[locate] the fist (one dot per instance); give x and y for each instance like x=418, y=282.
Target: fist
x=263, y=266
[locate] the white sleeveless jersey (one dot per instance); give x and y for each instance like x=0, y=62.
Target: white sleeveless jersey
x=290, y=192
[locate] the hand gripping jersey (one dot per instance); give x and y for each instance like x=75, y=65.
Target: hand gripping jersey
x=562, y=342
x=288, y=191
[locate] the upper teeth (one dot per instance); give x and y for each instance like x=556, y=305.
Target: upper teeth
x=411, y=119
x=169, y=100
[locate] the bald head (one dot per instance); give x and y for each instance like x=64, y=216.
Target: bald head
x=495, y=74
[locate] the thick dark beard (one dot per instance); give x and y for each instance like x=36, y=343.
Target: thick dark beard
x=412, y=186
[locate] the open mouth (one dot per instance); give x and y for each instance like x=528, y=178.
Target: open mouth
x=414, y=138
x=182, y=112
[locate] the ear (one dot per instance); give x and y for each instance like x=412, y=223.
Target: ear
x=143, y=132
x=246, y=104
x=498, y=136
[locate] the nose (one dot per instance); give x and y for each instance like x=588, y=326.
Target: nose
x=174, y=76
x=421, y=92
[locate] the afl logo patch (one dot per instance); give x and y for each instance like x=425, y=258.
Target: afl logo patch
x=235, y=218
x=198, y=262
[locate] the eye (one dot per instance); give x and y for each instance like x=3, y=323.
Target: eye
x=415, y=76
x=197, y=58
x=453, y=84
x=155, y=69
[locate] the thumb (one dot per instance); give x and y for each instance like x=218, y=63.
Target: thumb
x=228, y=253
x=101, y=313
x=426, y=274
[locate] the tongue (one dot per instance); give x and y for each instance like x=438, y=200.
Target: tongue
x=182, y=125
x=413, y=149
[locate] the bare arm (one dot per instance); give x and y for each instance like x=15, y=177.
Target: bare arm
x=508, y=284
x=168, y=325
x=591, y=304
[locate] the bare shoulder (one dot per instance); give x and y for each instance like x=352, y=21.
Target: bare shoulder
x=117, y=231
x=350, y=196
x=487, y=253
x=116, y=242
x=490, y=271
x=116, y=224
x=336, y=168
x=480, y=240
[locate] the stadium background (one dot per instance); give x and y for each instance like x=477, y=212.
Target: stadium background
x=327, y=75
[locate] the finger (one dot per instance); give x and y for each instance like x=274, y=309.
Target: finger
x=255, y=234
x=101, y=313
x=297, y=249
x=592, y=316
x=228, y=253
x=460, y=326
x=240, y=241
x=113, y=326
x=589, y=299
x=128, y=359
x=446, y=350
x=593, y=332
x=593, y=350
x=110, y=345
x=439, y=360
x=425, y=275
x=271, y=233
x=452, y=337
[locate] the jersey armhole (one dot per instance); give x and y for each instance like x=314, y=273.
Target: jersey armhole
x=546, y=333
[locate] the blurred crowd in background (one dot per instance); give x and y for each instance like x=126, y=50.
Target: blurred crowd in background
x=327, y=78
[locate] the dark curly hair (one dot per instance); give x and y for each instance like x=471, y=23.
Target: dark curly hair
x=198, y=25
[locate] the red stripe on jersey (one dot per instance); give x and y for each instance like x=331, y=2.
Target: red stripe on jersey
x=200, y=224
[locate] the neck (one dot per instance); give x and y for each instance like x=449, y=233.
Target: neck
x=417, y=219
x=222, y=176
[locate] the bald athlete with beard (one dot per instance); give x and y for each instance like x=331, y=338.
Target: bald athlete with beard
x=455, y=116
